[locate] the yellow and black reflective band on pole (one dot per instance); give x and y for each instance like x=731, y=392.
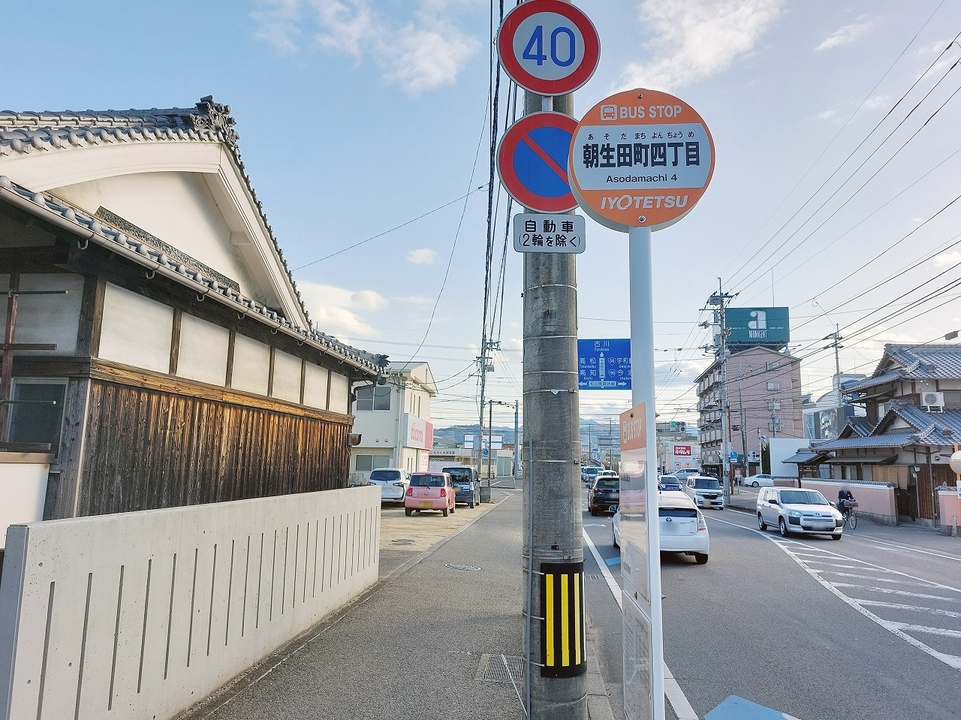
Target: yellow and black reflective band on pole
x=563, y=647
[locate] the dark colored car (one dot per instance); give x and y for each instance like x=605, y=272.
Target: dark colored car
x=668, y=482
x=465, y=484
x=604, y=495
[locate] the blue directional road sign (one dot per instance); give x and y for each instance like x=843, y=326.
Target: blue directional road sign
x=532, y=162
x=604, y=364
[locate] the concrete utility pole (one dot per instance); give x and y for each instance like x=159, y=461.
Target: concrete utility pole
x=552, y=498
x=720, y=299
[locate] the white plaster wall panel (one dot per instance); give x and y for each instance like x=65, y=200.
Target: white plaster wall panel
x=138, y=615
x=251, y=371
x=136, y=330
x=175, y=207
x=46, y=318
x=315, y=386
x=286, y=377
x=379, y=428
x=339, y=393
x=203, y=351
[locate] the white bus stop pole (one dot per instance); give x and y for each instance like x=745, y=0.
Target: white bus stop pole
x=641, y=278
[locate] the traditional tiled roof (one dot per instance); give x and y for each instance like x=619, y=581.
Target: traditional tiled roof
x=860, y=426
x=24, y=133
x=856, y=386
x=899, y=439
x=934, y=428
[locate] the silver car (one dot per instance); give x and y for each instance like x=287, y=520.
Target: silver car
x=706, y=492
x=798, y=510
x=393, y=483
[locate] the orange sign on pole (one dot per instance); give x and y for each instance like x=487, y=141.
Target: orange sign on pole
x=640, y=158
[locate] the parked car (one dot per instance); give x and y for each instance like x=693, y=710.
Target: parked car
x=466, y=485
x=429, y=491
x=668, y=482
x=759, y=480
x=681, y=526
x=798, y=510
x=589, y=472
x=705, y=491
x=604, y=494
x=684, y=473
x=393, y=483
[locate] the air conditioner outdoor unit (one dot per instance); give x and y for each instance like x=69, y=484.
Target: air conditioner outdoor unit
x=933, y=399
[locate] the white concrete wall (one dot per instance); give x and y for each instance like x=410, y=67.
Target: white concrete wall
x=136, y=330
x=203, y=351
x=875, y=499
x=140, y=615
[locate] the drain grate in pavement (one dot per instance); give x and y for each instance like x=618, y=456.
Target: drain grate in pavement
x=457, y=566
x=402, y=541
x=492, y=668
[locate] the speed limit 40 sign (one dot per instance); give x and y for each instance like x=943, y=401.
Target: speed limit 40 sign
x=548, y=46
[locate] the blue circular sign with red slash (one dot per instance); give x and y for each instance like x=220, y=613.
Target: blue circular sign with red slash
x=532, y=161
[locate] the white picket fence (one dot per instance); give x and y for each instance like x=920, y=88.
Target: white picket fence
x=141, y=615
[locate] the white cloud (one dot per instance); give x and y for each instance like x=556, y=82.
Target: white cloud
x=428, y=55
x=695, y=39
x=420, y=52
x=277, y=24
x=877, y=102
x=948, y=259
x=421, y=256
x=826, y=114
x=337, y=311
x=844, y=36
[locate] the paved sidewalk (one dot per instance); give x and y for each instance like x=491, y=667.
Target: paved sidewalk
x=440, y=636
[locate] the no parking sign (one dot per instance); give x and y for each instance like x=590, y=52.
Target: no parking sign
x=532, y=161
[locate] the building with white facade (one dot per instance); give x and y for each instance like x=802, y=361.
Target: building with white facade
x=392, y=421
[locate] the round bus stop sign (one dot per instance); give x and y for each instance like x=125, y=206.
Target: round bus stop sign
x=640, y=158
x=549, y=47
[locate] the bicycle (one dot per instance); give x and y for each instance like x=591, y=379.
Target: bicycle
x=850, y=516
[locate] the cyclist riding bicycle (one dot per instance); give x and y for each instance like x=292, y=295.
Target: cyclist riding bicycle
x=843, y=496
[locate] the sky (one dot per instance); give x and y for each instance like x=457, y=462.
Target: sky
x=365, y=128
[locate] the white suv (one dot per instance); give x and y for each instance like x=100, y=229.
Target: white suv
x=797, y=510
x=705, y=491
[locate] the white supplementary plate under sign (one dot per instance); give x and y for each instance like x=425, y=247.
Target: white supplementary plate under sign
x=547, y=233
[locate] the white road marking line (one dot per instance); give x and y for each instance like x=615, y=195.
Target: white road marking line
x=933, y=630
x=789, y=547
x=672, y=690
x=877, y=579
x=917, y=608
x=892, y=591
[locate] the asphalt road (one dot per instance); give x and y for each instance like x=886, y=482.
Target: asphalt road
x=867, y=627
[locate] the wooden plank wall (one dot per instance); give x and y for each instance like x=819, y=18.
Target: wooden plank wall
x=148, y=449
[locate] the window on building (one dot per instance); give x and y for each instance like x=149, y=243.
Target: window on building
x=366, y=463
x=373, y=397
x=773, y=404
x=774, y=386
x=772, y=365
x=775, y=424
x=36, y=413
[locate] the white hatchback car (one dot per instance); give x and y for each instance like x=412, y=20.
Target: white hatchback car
x=705, y=491
x=681, y=526
x=393, y=483
x=798, y=510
